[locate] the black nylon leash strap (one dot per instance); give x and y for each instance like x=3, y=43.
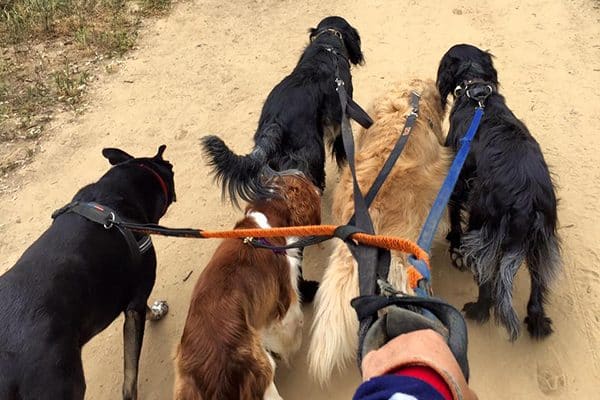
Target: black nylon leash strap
x=411, y=119
x=371, y=261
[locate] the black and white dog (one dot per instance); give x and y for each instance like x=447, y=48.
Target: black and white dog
x=73, y=281
x=507, y=190
x=300, y=113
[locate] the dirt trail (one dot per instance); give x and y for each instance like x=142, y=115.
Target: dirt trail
x=207, y=69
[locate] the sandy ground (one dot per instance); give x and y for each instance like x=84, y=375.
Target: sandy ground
x=207, y=69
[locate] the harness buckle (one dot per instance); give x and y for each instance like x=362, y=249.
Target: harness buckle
x=414, y=102
x=339, y=83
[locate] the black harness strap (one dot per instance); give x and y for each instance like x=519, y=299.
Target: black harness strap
x=411, y=119
x=352, y=109
x=108, y=218
x=372, y=262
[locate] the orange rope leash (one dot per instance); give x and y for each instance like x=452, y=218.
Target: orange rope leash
x=387, y=242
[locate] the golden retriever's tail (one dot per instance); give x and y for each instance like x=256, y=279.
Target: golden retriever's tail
x=334, y=338
x=185, y=386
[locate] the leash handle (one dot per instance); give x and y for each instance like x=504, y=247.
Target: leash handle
x=449, y=316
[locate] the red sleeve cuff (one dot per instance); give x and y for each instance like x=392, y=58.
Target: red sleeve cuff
x=428, y=376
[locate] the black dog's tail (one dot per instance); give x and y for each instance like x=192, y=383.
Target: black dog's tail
x=494, y=263
x=495, y=258
x=243, y=177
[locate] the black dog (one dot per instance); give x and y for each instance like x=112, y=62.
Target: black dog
x=508, y=192
x=77, y=277
x=300, y=113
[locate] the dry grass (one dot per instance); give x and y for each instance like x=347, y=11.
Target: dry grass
x=49, y=51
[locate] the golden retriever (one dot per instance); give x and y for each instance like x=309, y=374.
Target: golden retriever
x=400, y=209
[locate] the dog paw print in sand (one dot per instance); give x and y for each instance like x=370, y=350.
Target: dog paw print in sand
x=551, y=378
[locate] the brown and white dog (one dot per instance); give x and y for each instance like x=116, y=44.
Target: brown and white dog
x=245, y=309
x=399, y=209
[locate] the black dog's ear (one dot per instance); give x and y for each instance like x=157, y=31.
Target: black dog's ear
x=493, y=73
x=115, y=156
x=352, y=43
x=446, y=78
x=161, y=150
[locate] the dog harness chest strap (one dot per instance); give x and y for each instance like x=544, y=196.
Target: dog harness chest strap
x=108, y=218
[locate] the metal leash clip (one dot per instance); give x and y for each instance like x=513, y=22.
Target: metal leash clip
x=387, y=290
x=339, y=82
x=110, y=220
x=480, y=97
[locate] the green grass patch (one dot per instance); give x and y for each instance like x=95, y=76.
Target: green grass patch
x=50, y=49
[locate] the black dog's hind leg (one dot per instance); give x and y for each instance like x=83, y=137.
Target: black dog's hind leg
x=480, y=310
x=544, y=262
x=538, y=324
x=133, y=335
x=307, y=289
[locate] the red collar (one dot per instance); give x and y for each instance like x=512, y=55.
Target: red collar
x=163, y=185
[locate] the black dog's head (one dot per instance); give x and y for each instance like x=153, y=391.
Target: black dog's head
x=461, y=63
x=156, y=164
x=350, y=36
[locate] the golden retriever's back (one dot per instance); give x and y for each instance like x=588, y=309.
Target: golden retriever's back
x=408, y=192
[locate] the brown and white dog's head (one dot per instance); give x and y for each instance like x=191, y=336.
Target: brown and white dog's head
x=299, y=196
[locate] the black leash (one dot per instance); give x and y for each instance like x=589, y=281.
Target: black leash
x=411, y=119
x=372, y=262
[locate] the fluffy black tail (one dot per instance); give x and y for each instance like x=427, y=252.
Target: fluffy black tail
x=495, y=266
x=495, y=259
x=243, y=177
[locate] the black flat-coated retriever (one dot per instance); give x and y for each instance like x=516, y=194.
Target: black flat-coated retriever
x=299, y=115
x=507, y=190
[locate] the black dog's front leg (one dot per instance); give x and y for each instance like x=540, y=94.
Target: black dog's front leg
x=455, y=207
x=133, y=334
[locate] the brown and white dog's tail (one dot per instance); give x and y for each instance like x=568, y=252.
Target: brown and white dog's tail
x=334, y=331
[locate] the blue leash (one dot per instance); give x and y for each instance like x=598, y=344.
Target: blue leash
x=440, y=203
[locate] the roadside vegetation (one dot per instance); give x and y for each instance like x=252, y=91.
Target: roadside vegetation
x=50, y=51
